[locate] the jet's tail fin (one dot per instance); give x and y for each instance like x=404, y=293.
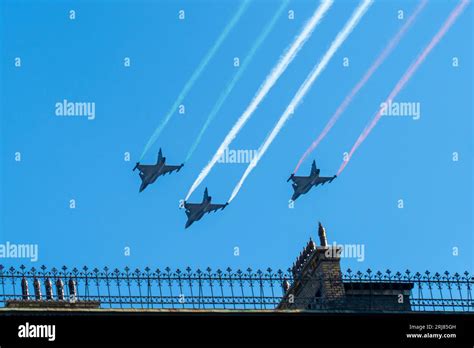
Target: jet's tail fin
x=314, y=169
x=206, y=195
x=160, y=156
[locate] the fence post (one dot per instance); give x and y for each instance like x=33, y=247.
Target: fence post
x=24, y=289
x=37, y=289
x=60, y=289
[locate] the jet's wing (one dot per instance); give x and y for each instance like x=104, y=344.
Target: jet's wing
x=215, y=207
x=169, y=169
x=145, y=168
x=300, y=180
x=192, y=207
x=323, y=179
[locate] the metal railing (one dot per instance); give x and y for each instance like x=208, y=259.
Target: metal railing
x=228, y=289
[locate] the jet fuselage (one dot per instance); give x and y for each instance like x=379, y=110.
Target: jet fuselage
x=302, y=184
x=301, y=190
x=199, y=214
x=151, y=177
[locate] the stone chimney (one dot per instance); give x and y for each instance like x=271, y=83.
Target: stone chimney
x=317, y=278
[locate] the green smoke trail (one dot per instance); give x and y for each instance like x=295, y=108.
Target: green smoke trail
x=187, y=87
x=230, y=86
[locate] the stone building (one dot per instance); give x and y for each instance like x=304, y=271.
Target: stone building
x=318, y=284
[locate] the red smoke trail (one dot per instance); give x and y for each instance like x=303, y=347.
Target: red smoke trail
x=375, y=65
x=406, y=77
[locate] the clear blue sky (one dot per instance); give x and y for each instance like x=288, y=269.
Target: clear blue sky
x=73, y=158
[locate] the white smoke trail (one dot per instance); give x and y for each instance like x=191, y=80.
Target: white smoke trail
x=304, y=88
x=195, y=76
x=240, y=72
x=271, y=79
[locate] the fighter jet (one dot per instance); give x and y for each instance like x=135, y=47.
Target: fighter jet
x=195, y=211
x=302, y=184
x=150, y=172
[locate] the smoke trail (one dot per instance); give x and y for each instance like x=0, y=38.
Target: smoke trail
x=270, y=80
x=304, y=88
x=230, y=86
x=189, y=84
x=407, y=76
x=375, y=65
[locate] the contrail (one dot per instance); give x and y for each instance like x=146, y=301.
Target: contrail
x=189, y=84
x=407, y=76
x=375, y=65
x=230, y=86
x=304, y=88
x=270, y=80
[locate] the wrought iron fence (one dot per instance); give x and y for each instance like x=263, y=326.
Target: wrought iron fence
x=224, y=289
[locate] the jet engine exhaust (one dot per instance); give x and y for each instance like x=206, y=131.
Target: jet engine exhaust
x=305, y=87
x=270, y=80
x=189, y=84
x=375, y=65
x=407, y=76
